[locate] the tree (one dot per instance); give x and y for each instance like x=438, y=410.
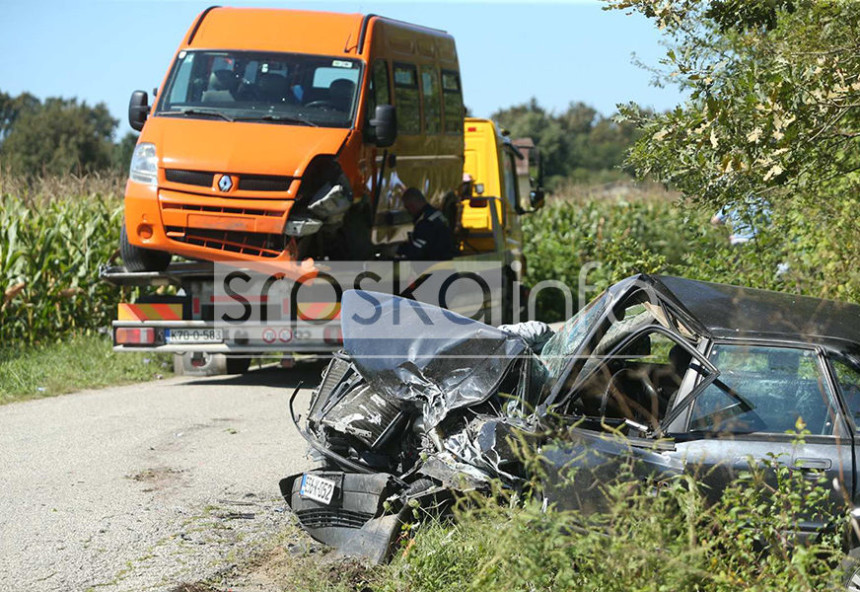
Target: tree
x=123, y=151
x=11, y=107
x=575, y=141
x=58, y=136
x=774, y=90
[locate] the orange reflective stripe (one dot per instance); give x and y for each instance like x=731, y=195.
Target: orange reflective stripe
x=149, y=312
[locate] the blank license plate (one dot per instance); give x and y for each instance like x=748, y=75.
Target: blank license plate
x=317, y=488
x=194, y=335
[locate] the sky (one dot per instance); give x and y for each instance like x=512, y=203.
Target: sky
x=509, y=52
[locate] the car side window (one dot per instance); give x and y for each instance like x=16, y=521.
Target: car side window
x=848, y=378
x=764, y=389
x=637, y=381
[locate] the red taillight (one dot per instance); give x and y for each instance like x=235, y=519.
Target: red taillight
x=333, y=336
x=471, y=129
x=134, y=336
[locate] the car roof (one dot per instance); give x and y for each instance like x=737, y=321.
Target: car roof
x=739, y=312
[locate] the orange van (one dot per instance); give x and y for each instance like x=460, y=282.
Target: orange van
x=282, y=135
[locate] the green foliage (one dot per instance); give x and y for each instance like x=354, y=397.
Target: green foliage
x=605, y=240
x=52, y=241
x=11, y=107
x=57, y=137
x=123, y=151
x=773, y=89
x=651, y=536
x=575, y=144
x=78, y=362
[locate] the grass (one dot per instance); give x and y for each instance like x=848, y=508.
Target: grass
x=79, y=362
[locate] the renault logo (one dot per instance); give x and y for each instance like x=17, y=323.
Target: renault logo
x=225, y=183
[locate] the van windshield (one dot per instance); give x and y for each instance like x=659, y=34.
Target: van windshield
x=274, y=88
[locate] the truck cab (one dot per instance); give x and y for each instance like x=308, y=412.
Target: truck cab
x=284, y=135
x=496, y=172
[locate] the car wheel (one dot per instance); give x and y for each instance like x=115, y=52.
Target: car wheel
x=850, y=567
x=139, y=259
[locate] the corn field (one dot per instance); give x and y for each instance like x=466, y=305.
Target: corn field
x=54, y=234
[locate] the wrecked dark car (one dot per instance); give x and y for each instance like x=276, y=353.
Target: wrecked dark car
x=693, y=376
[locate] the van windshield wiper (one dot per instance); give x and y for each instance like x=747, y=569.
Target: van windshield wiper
x=278, y=119
x=208, y=112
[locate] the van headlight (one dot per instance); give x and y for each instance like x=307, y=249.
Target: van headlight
x=144, y=164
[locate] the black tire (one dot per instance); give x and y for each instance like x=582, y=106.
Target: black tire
x=139, y=259
x=238, y=364
x=850, y=567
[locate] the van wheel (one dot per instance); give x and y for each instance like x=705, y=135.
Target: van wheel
x=139, y=259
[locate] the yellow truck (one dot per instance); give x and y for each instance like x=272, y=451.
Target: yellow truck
x=497, y=172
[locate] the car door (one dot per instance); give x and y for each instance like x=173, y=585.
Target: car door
x=769, y=403
x=845, y=373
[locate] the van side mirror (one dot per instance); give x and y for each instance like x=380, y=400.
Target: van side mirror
x=536, y=198
x=385, y=125
x=138, y=109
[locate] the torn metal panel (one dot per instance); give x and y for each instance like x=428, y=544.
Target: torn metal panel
x=431, y=357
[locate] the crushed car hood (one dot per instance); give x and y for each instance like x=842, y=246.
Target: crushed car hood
x=425, y=355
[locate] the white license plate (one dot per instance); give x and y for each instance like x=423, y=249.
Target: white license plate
x=194, y=335
x=317, y=488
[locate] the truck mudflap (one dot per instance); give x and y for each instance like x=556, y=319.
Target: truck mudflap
x=357, y=520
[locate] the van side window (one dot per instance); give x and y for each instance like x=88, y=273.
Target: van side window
x=453, y=98
x=378, y=94
x=430, y=92
x=407, y=97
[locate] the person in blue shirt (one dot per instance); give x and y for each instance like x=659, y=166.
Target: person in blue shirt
x=431, y=239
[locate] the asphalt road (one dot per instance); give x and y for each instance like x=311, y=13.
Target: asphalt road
x=146, y=487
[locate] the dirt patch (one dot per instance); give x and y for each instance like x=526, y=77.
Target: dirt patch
x=292, y=562
x=198, y=587
x=157, y=478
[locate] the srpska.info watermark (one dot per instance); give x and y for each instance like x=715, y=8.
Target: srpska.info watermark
x=304, y=310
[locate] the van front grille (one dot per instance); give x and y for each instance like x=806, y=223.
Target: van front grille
x=262, y=183
x=198, y=178
x=222, y=210
x=255, y=244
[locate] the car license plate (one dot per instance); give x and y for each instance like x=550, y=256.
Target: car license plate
x=317, y=488
x=194, y=335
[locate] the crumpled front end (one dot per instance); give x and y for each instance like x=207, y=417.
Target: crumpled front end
x=402, y=430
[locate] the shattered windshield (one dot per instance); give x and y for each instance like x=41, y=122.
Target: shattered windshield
x=423, y=354
x=273, y=88
x=567, y=340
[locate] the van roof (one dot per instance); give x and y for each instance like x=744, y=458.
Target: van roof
x=300, y=31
